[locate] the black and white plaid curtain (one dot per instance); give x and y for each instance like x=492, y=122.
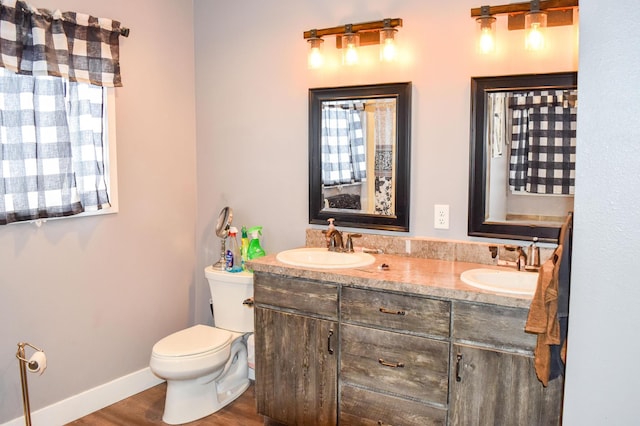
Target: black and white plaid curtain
x=51, y=164
x=54, y=68
x=72, y=45
x=543, y=142
x=343, y=147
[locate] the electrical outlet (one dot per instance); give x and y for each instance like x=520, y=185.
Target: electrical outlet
x=441, y=216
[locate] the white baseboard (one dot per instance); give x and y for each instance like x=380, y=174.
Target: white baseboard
x=92, y=400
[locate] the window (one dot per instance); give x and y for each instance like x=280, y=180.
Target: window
x=57, y=151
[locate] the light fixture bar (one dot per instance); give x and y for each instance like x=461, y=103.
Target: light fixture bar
x=524, y=7
x=364, y=26
x=555, y=18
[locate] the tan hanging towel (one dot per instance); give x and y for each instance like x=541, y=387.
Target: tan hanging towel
x=543, y=319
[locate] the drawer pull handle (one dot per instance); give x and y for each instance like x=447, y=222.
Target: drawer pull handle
x=391, y=364
x=381, y=423
x=389, y=311
x=458, y=362
x=329, y=348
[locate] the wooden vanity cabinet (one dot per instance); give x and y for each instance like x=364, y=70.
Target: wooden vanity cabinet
x=296, y=338
x=329, y=353
x=394, y=358
x=493, y=380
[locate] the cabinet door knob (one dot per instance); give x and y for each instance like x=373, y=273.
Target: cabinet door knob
x=391, y=364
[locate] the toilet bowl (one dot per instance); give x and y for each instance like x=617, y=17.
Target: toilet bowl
x=206, y=367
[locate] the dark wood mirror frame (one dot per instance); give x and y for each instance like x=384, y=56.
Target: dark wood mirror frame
x=402, y=173
x=480, y=86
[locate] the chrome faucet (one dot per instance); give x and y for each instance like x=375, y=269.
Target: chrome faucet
x=335, y=240
x=521, y=260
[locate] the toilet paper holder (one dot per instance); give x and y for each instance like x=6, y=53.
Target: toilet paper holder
x=24, y=364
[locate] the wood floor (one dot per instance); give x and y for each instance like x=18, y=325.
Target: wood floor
x=146, y=408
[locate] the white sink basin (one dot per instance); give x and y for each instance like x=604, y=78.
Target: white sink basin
x=503, y=281
x=313, y=257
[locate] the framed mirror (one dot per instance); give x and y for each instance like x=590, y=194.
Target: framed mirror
x=359, y=156
x=522, y=155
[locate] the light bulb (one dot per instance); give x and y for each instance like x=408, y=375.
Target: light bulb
x=314, y=58
x=388, y=50
x=535, y=38
x=486, y=43
x=535, y=23
x=486, y=38
x=350, y=42
x=351, y=55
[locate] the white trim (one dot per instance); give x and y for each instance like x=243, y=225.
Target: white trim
x=87, y=402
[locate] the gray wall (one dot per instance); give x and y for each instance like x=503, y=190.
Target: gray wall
x=602, y=372
x=97, y=293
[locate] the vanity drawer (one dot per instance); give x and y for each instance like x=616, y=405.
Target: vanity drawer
x=364, y=407
x=406, y=313
x=312, y=297
x=401, y=364
x=499, y=326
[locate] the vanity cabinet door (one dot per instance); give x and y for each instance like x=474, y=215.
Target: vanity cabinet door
x=296, y=368
x=499, y=388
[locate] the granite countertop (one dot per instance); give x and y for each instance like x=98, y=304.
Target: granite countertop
x=428, y=277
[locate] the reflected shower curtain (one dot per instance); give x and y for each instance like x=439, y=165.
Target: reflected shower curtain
x=343, y=146
x=384, y=145
x=543, y=142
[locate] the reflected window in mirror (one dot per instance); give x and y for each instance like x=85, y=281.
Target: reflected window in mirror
x=523, y=145
x=359, y=149
x=358, y=146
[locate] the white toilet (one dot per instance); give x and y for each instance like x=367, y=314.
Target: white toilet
x=207, y=367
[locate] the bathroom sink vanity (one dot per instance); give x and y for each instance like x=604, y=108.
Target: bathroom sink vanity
x=413, y=345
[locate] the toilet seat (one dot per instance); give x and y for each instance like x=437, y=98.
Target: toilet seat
x=197, y=340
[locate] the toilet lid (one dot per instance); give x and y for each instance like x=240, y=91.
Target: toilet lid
x=192, y=341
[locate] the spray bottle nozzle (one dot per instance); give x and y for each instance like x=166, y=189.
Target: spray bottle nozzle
x=255, y=232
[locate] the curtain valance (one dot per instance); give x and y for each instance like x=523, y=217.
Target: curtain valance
x=72, y=45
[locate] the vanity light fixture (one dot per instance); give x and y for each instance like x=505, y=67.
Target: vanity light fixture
x=532, y=16
x=315, y=59
x=388, y=50
x=486, y=31
x=535, y=23
x=350, y=37
x=350, y=43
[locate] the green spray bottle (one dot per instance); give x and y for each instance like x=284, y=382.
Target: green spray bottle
x=255, y=250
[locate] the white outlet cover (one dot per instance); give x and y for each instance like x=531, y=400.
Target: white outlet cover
x=441, y=216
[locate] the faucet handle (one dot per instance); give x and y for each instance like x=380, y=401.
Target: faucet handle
x=349, y=247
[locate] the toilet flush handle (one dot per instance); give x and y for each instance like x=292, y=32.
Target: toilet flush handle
x=248, y=302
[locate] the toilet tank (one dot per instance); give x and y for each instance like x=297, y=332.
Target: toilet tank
x=228, y=291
